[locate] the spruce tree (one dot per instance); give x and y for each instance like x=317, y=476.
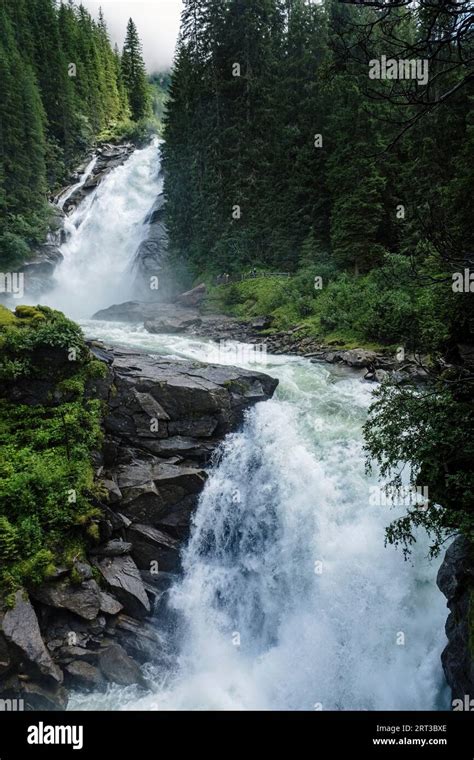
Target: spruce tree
x=134, y=75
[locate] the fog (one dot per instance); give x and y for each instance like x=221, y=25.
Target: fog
x=157, y=22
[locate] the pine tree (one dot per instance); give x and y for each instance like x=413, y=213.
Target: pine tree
x=48, y=116
x=134, y=75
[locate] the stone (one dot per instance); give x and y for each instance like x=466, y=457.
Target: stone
x=114, y=548
x=113, y=491
x=20, y=627
x=261, y=323
x=170, y=326
x=358, y=358
x=123, y=578
x=43, y=697
x=152, y=545
x=118, y=667
x=83, y=675
x=456, y=581
x=193, y=297
x=109, y=604
x=140, y=639
x=83, y=600
x=83, y=571
x=152, y=489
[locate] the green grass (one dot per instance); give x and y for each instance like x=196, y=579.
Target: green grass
x=275, y=297
x=382, y=309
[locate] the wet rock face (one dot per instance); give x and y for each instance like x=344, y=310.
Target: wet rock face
x=153, y=279
x=91, y=626
x=456, y=581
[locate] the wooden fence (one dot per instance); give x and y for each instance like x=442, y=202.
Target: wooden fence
x=229, y=279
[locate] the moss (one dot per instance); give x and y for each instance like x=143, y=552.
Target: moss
x=48, y=497
x=6, y=317
x=30, y=312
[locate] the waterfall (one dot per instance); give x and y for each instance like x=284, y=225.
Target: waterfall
x=289, y=599
x=103, y=235
x=82, y=180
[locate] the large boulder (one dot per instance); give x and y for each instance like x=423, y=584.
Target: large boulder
x=140, y=639
x=20, y=628
x=184, y=391
x=358, y=358
x=152, y=488
x=39, y=270
x=194, y=297
x=83, y=600
x=118, y=667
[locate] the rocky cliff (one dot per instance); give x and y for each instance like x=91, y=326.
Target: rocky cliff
x=92, y=625
x=456, y=581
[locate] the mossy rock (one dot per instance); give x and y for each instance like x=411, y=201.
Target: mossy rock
x=7, y=317
x=30, y=313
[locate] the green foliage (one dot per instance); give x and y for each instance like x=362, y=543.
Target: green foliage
x=61, y=87
x=432, y=431
x=35, y=329
x=47, y=500
x=134, y=76
x=385, y=307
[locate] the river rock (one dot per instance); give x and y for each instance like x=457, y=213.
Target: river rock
x=83, y=600
x=109, y=604
x=118, y=667
x=38, y=271
x=184, y=390
x=20, y=627
x=151, y=545
x=194, y=297
x=358, y=358
x=171, y=326
x=152, y=488
x=123, y=578
x=83, y=675
x=140, y=639
x=42, y=696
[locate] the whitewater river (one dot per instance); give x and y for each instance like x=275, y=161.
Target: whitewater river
x=289, y=598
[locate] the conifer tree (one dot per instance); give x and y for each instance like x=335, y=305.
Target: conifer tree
x=134, y=75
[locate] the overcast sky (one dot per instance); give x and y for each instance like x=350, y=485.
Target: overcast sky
x=157, y=22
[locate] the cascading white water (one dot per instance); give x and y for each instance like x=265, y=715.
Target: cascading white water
x=104, y=234
x=83, y=178
x=289, y=599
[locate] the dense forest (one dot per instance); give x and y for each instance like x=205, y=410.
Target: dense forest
x=62, y=87
x=286, y=150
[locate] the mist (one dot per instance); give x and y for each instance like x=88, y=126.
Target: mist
x=157, y=22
